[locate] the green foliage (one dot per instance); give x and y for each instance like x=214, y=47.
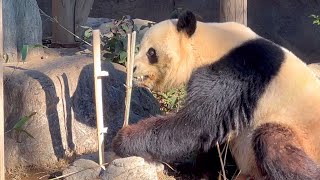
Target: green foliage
x=24, y=52
x=19, y=126
x=171, y=100
x=114, y=49
x=114, y=44
x=316, y=19
x=27, y=47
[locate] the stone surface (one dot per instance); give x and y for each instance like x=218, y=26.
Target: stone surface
x=61, y=92
x=87, y=170
x=22, y=26
x=132, y=168
x=119, y=169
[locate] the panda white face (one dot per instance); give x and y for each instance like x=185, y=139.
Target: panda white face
x=159, y=51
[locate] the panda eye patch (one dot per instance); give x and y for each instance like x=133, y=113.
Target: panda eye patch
x=152, y=56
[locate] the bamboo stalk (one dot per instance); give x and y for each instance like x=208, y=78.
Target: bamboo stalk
x=130, y=59
x=221, y=162
x=2, y=164
x=98, y=94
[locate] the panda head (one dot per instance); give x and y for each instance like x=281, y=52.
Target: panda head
x=160, y=62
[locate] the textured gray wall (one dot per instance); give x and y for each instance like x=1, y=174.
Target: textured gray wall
x=22, y=26
x=286, y=22
x=155, y=10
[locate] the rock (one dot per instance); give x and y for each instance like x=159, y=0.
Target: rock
x=96, y=22
x=86, y=170
x=109, y=156
x=119, y=169
x=22, y=26
x=61, y=92
x=132, y=168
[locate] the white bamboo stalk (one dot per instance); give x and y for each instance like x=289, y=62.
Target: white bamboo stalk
x=130, y=58
x=98, y=74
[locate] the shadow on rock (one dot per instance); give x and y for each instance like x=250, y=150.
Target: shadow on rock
x=143, y=104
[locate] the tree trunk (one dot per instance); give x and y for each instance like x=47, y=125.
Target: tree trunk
x=63, y=12
x=71, y=14
x=82, y=11
x=21, y=26
x=233, y=10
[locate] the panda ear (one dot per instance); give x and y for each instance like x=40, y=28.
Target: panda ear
x=187, y=22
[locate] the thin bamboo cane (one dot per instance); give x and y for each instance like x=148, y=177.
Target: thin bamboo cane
x=130, y=59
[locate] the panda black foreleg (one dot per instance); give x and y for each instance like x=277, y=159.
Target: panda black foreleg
x=280, y=156
x=163, y=138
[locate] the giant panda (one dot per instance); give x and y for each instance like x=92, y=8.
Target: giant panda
x=240, y=86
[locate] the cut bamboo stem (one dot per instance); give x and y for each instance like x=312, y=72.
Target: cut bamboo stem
x=221, y=162
x=130, y=58
x=2, y=164
x=98, y=74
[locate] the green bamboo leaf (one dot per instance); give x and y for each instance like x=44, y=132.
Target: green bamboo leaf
x=24, y=52
x=125, y=28
x=123, y=56
x=22, y=121
x=87, y=33
x=38, y=46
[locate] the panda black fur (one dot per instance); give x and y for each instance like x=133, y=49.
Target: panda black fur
x=232, y=97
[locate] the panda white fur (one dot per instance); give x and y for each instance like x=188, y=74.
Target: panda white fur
x=240, y=86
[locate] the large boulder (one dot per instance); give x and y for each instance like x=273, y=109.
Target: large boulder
x=61, y=92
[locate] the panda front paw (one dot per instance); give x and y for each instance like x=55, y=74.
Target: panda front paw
x=118, y=143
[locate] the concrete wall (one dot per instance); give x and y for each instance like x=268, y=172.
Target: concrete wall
x=155, y=10
x=286, y=22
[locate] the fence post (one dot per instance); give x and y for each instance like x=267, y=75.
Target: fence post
x=233, y=10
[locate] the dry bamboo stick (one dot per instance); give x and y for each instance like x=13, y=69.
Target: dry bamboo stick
x=130, y=59
x=221, y=162
x=98, y=74
x=2, y=164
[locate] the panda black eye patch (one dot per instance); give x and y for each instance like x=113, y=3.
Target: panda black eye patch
x=152, y=56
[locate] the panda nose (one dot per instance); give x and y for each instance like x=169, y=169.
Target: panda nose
x=134, y=68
